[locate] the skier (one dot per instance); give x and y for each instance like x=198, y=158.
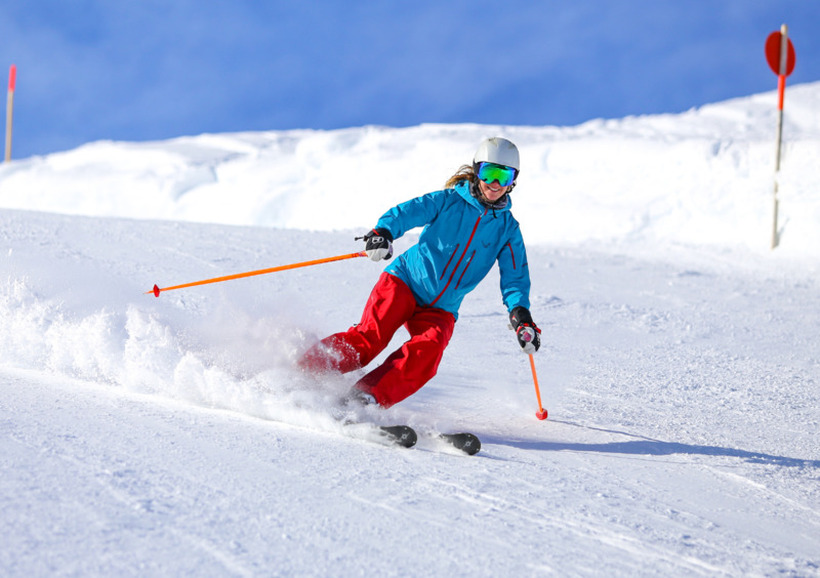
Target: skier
x=468, y=227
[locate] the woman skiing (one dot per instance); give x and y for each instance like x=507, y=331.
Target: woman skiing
x=468, y=227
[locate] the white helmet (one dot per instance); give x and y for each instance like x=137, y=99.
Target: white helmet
x=499, y=151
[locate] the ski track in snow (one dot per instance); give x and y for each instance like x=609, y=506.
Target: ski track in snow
x=169, y=436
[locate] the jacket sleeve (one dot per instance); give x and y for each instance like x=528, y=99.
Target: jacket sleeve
x=413, y=213
x=515, y=272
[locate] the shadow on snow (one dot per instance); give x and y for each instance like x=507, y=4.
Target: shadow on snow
x=644, y=446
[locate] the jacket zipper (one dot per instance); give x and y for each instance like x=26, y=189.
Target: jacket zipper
x=444, y=272
x=467, y=266
x=512, y=254
x=467, y=246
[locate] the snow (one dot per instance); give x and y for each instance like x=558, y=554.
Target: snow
x=170, y=436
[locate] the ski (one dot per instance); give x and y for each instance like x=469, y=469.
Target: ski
x=386, y=435
x=406, y=437
x=466, y=442
x=402, y=435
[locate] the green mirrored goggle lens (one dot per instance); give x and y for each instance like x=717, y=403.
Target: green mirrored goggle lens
x=489, y=172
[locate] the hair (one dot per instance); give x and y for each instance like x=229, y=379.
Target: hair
x=464, y=173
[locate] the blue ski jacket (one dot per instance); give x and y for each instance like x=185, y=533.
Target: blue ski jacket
x=460, y=242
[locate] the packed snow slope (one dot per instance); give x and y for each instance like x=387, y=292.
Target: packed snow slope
x=171, y=436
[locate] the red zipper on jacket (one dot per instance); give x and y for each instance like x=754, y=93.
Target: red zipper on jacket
x=450, y=260
x=467, y=246
x=512, y=255
x=467, y=266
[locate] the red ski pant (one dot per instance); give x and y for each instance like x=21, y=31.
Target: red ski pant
x=391, y=304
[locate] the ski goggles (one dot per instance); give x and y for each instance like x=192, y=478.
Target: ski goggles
x=489, y=172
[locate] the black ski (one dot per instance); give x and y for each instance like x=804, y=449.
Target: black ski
x=402, y=435
x=466, y=442
x=405, y=436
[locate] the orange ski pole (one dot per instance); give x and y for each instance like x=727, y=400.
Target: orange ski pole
x=541, y=413
x=156, y=290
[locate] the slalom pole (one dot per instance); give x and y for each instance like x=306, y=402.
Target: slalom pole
x=157, y=290
x=781, y=93
x=10, y=109
x=781, y=58
x=541, y=413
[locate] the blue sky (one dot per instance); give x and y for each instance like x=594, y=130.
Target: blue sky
x=150, y=69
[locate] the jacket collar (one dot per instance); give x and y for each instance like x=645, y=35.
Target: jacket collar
x=464, y=189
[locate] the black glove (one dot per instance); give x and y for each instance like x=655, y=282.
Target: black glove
x=378, y=244
x=526, y=330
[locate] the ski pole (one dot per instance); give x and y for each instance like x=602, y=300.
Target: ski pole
x=156, y=290
x=541, y=413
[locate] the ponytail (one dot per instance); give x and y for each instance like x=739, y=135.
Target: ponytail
x=464, y=173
